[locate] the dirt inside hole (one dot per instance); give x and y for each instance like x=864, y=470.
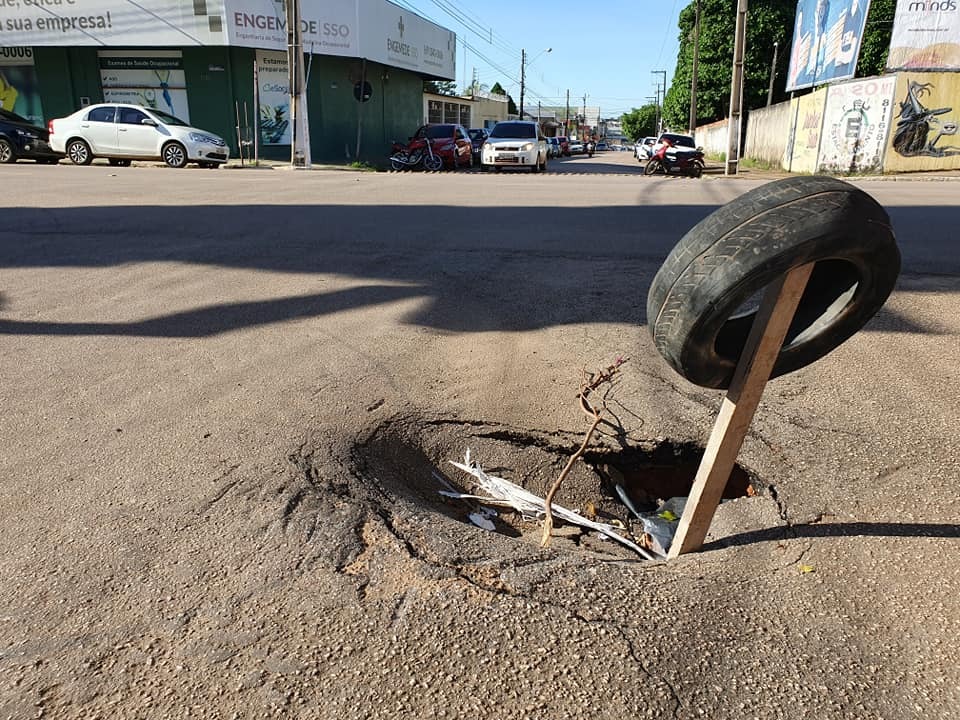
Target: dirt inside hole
x=408, y=463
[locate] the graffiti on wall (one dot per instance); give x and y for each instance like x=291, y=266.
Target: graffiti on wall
x=924, y=133
x=855, y=125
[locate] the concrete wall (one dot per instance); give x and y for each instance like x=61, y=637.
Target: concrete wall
x=713, y=138
x=768, y=129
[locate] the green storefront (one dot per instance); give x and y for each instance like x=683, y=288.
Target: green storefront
x=382, y=54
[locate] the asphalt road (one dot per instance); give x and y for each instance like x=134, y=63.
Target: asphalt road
x=225, y=396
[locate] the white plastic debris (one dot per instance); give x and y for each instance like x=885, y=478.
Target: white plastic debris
x=481, y=521
x=505, y=493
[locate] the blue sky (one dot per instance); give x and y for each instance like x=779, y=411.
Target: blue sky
x=609, y=56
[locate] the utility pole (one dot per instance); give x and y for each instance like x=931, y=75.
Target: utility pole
x=696, y=61
x=584, y=113
x=659, y=103
x=566, y=122
x=736, y=90
x=773, y=73
x=299, y=124
x=523, y=65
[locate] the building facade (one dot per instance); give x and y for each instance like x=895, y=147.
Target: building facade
x=222, y=65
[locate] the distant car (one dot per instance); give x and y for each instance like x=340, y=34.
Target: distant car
x=19, y=138
x=554, y=146
x=602, y=146
x=641, y=150
x=677, y=140
x=451, y=142
x=577, y=147
x=515, y=143
x=477, y=137
x=564, y=145
x=122, y=133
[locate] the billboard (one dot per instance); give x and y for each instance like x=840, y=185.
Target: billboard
x=926, y=36
x=273, y=96
x=804, y=139
x=856, y=121
x=926, y=115
x=19, y=92
x=826, y=41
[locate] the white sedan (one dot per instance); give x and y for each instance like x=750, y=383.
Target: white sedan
x=514, y=143
x=123, y=133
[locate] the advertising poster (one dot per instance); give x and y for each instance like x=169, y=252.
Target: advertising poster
x=807, y=124
x=154, y=79
x=112, y=22
x=926, y=36
x=19, y=92
x=855, y=125
x=923, y=132
x=274, y=94
x=826, y=41
x=329, y=26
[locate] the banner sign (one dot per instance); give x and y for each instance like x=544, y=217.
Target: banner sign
x=274, y=97
x=112, y=22
x=926, y=36
x=153, y=78
x=19, y=92
x=826, y=41
x=806, y=125
x=856, y=121
x=373, y=29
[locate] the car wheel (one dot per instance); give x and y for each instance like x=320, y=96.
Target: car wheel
x=79, y=152
x=697, y=169
x=703, y=300
x=175, y=155
x=7, y=155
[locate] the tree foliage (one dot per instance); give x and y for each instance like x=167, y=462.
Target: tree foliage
x=440, y=87
x=768, y=21
x=511, y=105
x=640, y=122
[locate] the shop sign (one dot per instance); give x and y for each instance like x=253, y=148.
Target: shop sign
x=152, y=78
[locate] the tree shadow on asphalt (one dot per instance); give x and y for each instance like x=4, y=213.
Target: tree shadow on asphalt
x=476, y=268
x=852, y=529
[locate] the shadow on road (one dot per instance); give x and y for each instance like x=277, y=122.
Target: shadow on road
x=476, y=268
x=853, y=529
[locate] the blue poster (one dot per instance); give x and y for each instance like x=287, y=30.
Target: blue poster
x=19, y=91
x=826, y=41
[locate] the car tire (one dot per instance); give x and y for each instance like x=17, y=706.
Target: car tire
x=7, y=153
x=174, y=155
x=79, y=152
x=697, y=170
x=699, y=308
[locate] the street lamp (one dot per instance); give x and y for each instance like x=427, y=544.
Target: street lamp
x=523, y=72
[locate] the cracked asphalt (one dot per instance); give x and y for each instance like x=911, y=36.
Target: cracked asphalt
x=226, y=394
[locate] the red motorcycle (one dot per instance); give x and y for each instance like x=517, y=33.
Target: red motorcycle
x=418, y=152
x=671, y=160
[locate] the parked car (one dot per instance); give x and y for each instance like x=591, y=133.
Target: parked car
x=19, y=138
x=564, y=145
x=478, y=136
x=123, y=133
x=677, y=140
x=641, y=151
x=602, y=146
x=577, y=147
x=515, y=143
x=451, y=142
x=553, y=145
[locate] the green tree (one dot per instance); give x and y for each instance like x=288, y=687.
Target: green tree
x=440, y=87
x=876, y=38
x=511, y=105
x=640, y=122
x=769, y=21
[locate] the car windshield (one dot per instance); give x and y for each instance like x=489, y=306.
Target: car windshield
x=13, y=117
x=514, y=130
x=168, y=119
x=682, y=140
x=476, y=134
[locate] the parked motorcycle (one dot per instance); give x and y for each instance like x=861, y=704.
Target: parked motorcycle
x=671, y=160
x=416, y=153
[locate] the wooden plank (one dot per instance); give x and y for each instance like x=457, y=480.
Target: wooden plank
x=753, y=371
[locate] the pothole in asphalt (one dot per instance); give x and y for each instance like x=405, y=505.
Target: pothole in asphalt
x=407, y=461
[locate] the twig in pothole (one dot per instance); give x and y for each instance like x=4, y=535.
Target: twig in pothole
x=588, y=384
x=505, y=493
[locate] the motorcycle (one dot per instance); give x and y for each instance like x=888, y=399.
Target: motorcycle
x=418, y=152
x=670, y=160
x=591, y=146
